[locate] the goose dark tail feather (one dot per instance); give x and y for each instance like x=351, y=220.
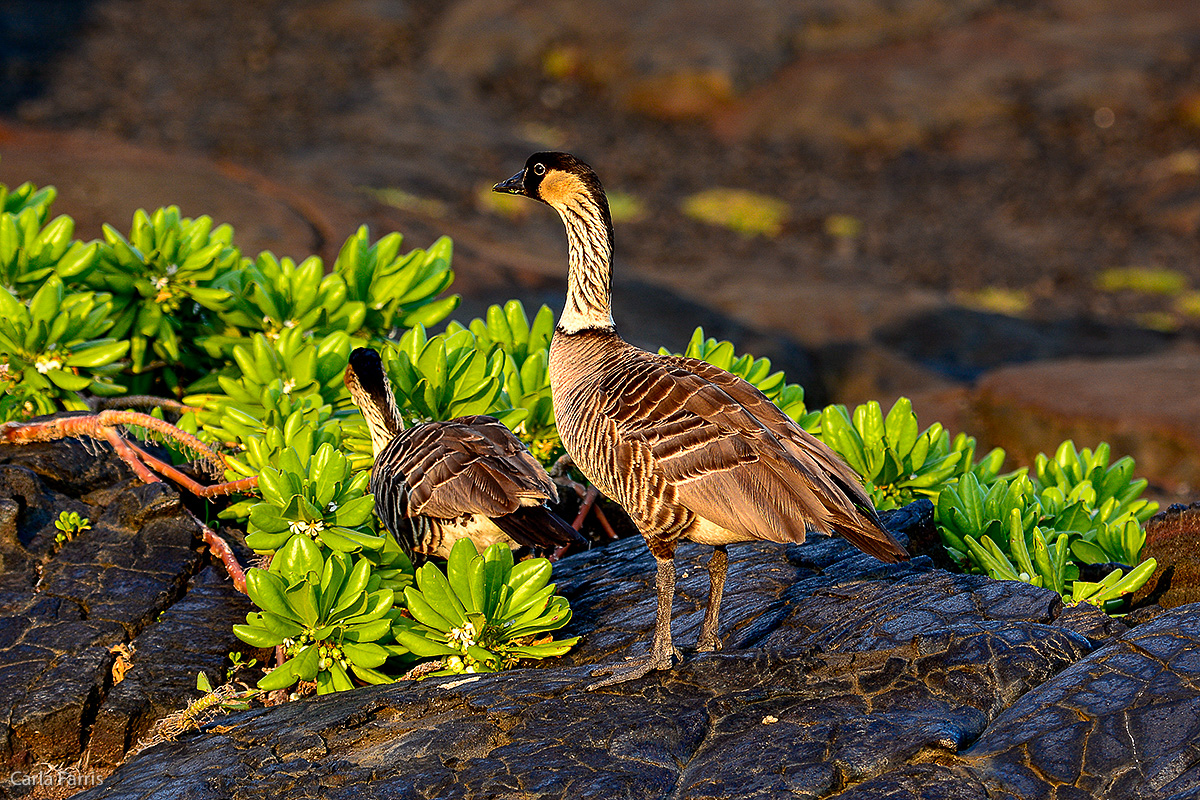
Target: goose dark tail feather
x=872, y=538
x=538, y=526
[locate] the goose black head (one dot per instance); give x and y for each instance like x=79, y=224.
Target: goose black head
x=366, y=370
x=554, y=178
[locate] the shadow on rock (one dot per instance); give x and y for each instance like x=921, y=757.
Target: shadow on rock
x=963, y=344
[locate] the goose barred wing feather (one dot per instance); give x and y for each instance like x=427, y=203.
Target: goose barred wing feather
x=733, y=458
x=470, y=465
x=817, y=459
x=813, y=454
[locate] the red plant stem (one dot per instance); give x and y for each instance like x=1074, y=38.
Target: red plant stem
x=604, y=523
x=589, y=495
x=108, y=418
x=589, y=500
x=96, y=426
x=216, y=490
x=125, y=450
x=220, y=548
x=103, y=426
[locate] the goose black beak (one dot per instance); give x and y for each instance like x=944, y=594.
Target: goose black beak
x=514, y=185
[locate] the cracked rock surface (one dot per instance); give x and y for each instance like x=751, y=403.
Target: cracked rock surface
x=840, y=677
x=137, y=578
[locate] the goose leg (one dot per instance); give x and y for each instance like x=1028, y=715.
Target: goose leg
x=662, y=653
x=709, y=640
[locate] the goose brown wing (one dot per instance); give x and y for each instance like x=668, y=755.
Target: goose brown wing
x=501, y=460
x=801, y=444
x=470, y=465
x=522, y=467
x=854, y=515
x=726, y=464
x=720, y=462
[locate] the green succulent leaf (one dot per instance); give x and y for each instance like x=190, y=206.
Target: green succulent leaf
x=267, y=591
x=256, y=636
x=483, y=615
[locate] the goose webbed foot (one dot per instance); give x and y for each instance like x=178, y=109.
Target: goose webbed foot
x=634, y=668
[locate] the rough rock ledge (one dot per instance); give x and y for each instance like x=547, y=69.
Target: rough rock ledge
x=841, y=678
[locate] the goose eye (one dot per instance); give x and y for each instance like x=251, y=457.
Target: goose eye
x=539, y=169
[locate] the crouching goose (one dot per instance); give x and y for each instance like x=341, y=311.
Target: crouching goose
x=438, y=482
x=689, y=450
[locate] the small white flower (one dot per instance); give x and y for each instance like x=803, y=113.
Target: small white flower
x=465, y=636
x=162, y=283
x=307, y=528
x=46, y=363
x=289, y=323
x=288, y=385
x=332, y=507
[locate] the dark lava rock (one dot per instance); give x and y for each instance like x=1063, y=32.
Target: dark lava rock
x=1127, y=717
x=841, y=677
x=964, y=344
x=1145, y=407
x=193, y=635
x=128, y=580
x=1173, y=538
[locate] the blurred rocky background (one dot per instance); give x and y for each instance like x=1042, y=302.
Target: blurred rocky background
x=992, y=206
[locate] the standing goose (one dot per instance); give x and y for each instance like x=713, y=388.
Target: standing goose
x=688, y=449
x=438, y=482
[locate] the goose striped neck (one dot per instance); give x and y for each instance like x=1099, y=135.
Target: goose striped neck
x=589, y=275
x=372, y=392
x=571, y=188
